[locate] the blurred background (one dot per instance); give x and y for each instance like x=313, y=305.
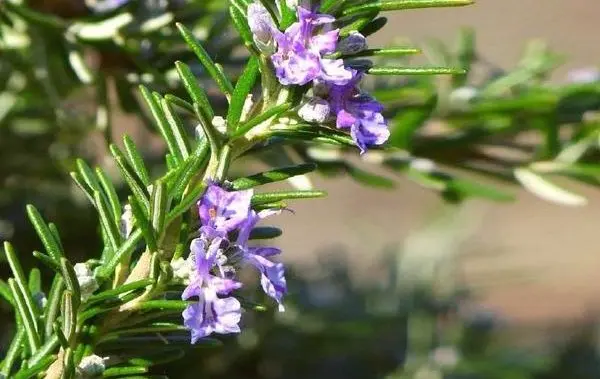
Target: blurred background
x=399, y=284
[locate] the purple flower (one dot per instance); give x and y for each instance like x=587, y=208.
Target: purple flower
x=222, y=210
x=272, y=273
x=263, y=28
x=212, y=314
x=299, y=57
x=360, y=113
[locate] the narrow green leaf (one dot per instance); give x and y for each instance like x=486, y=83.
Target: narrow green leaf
x=178, y=101
x=272, y=176
x=183, y=150
x=69, y=315
x=163, y=305
x=191, y=169
x=52, y=247
x=239, y=21
x=21, y=282
x=53, y=306
x=143, y=223
x=111, y=194
x=55, y=233
x=35, y=281
x=71, y=281
x=108, y=222
x=34, y=369
x=259, y=119
x=159, y=207
x=153, y=100
x=211, y=68
x=45, y=350
x=137, y=189
x=47, y=261
x=62, y=339
x=129, y=287
x=82, y=186
x=212, y=134
x=5, y=292
x=87, y=174
x=136, y=161
x=392, y=5
x=394, y=51
x=273, y=197
x=158, y=358
x=125, y=250
x=33, y=338
x=196, y=92
x=187, y=202
x=243, y=87
x=123, y=371
x=13, y=352
x=414, y=71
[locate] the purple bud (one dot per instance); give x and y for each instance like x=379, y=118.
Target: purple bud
x=263, y=28
x=353, y=44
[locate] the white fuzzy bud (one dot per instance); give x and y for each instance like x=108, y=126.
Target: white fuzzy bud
x=220, y=123
x=126, y=222
x=182, y=269
x=91, y=366
x=85, y=277
x=314, y=110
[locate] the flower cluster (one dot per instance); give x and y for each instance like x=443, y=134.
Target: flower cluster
x=301, y=55
x=222, y=247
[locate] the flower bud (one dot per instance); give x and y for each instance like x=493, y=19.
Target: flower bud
x=262, y=26
x=353, y=44
x=91, y=366
x=314, y=110
x=87, y=282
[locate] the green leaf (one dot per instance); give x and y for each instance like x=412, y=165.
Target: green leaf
x=190, y=169
x=45, y=350
x=177, y=128
x=43, y=231
x=5, y=293
x=196, y=92
x=108, y=222
x=243, y=87
x=381, y=70
x=53, y=307
x=408, y=121
x=394, y=51
x=212, y=134
x=259, y=119
x=159, y=207
x=187, y=202
x=34, y=369
x=392, y=5
x=69, y=315
x=137, y=189
x=163, y=305
x=211, y=68
x=143, y=223
x=178, y=101
x=33, y=338
x=241, y=25
x=129, y=287
x=62, y=339
x=272, y=176
x=111, y=194
x=123, y=371
x=47, y=261
x=21, y=283
x=35, y=281
x=158, y=358
x=467, y=188
x=136, y=161
x=124, y=251
x=273, y=197
x=167, y=131
x=13, y=352
x=71, y=281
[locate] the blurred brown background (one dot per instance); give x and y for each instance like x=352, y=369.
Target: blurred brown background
x=533, y=261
